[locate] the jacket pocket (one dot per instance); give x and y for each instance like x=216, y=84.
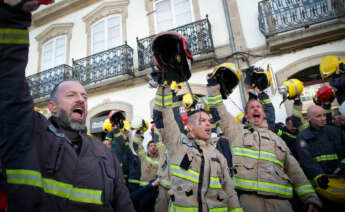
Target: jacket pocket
x=55, y=153
x=108, y=177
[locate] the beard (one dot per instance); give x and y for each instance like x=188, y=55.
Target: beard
x=68, y=122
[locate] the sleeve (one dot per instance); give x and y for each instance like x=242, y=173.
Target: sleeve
x=121, y=199
x=342, y=151
x=301, y=185
x=227, y=122
x=141, y=151
x=328, y=112
x=164, y=118
x=269, y=110
x=297, y=112
x=109, y=136
x=339, y=84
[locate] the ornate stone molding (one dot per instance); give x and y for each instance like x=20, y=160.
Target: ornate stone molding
x=106, y=9
x=51, y=32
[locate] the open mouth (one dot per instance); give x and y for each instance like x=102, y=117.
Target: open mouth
x=78, y=113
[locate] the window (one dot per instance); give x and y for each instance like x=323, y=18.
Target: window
x=54, y=53
x=172, y=13
x=106, y=34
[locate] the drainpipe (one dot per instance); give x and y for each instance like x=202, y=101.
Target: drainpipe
x=233, y=49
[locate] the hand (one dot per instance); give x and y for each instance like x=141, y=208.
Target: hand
x=323, y=182
x=107, y=143
x=155, y=183
x=312, y=208
x=257, y=90
x=30, y=6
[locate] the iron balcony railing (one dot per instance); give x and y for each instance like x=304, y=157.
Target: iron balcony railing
x=277, y=16
x=41, y=84
x=198, y=35
x=104, y=65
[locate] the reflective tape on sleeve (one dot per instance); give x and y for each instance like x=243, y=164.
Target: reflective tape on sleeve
x=236, y=210
x=342, y=161
x=189, y=174
x=304, y=189
x=254, y=185
x=178, y=208
x=53, y=187
x=219, y=209
x=166, y=183
x=289, y=135
x=303, y=126
x=280, y=132
x=134, y=181
x=166, y=99
x=213, y=100
x=14, y=36
x=150, y=160
x=137, y=140
x=258, y=155
x=297, y=113
x=321, y=158
x=214, y=183
x=265, y=101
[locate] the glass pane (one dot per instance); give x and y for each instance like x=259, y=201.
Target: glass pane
x=114, y=32
x=98, y=37
x=47, y=60
x=164, y=16
x=183, y=13
x=60, y=49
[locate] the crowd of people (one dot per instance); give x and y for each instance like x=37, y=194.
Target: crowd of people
x=199, y=160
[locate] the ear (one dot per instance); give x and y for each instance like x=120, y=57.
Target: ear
x=52, y=107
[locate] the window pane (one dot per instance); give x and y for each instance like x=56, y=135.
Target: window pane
x=164, y=16
x=98, y=37
x=114, y=32
x=47, y=60
x=60, y=49
x=183, y=13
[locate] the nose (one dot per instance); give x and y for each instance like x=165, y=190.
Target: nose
x=80, y=98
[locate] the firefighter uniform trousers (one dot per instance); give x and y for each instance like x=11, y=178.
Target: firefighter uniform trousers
x=264, y=166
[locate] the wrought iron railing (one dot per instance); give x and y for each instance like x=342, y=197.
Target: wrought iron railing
x=108, y=64
x=41, y=84
x=198, y=35
x=277, y=16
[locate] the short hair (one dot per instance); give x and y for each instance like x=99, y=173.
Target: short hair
x=251, y=100
x=192, y=116
x=150, y=142
x=54, y=92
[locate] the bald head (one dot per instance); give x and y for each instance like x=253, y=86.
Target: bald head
x=316, y=116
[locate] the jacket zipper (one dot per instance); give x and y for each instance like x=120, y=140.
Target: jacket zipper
x=201, y=177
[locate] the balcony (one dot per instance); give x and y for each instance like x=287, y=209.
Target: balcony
x=198, y=35
x=104, y=65
x=42, y=83
x=290, y=24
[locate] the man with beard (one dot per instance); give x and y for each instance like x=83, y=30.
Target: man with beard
x=321, y=150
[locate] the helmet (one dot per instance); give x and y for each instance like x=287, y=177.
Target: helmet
x=261, y=78
x=106, y=126
x=239, y=117
x=192, y=103
x=342, y=66
x=335, y=190
x=117, y=117
x=328, y=66
x=325, y=94
x=170, y=53
x=126, y=127
x=140, y=124
x=228, y=76
x=291, y=88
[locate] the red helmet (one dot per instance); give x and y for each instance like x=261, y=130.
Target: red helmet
x=325, y=94
x=184, y=118
x=117, y=117
x=153, y=128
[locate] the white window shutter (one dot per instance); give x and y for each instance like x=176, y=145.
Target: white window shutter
x=164, y=15
x=114, y=32
x=98, y=41
x=47, y=58
x=60, y=51
x=183, y=12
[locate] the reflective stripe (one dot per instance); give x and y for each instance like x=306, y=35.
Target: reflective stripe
x=342, y=161
x=265, y=101
x=297, y=113
x=214, y=182
x=289, y=134
x=213, y=100
x=214, y=125
x=134, y=181
x=304, y=189
x=258, y=155
x=175, y=104
x=116, y=135
x=236, y=210
x=189, y=174
x=167, y=100
x=53, y=187
x=14, y=36
x=141, y=152
x=143, y=183
x=177, y=208
x=303, y=126
x=150, y=160
x=223, y=209
x=166, y=182
x=262, y=186
x=326, y=157
x=280, y=132
x=328, y=111
x=160, y=144
x=137, y=140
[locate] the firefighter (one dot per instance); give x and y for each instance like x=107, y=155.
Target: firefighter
x=321, y=151
x=324, y=98
x=265, y=172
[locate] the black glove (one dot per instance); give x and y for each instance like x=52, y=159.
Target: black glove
x=155, y=79
x=323, y=181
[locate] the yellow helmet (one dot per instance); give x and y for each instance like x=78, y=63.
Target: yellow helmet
x=261, y=78
x=106, y=126
x=192, y=103
x=335, y=190
x=228, y=76
x=330, y=64
x=140, y=124
x=291, y=88
x=126, y=127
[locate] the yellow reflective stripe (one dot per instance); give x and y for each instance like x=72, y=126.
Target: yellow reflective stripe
x=289, y=134
x=214, y=183
x=150, y=160
x=255, y=154
x=160, y=144
x=143, y=183
x=137, y=140
x=213, y=100
x=280, y=132
x=14, y=36
x=116, y=135
x=326, y=157
x=328, y=111
x=53, y=187
x=297, y=113
x=342, y=161
x=303, y=126
x=213, y=126
x=178, y=208
x=236, y=210
x=304, y=189
x=262, y=186
x=189, y=174
x=175, y=104
x=141, y=152
x=166, y=182
x=167, y=100
x=265, y=101
x=133, y=181
x=222, y=209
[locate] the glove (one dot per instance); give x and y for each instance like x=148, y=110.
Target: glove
x=155, y=79
x=252, y=94
x=323, y=181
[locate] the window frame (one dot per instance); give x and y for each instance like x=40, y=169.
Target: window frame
x=54, y=51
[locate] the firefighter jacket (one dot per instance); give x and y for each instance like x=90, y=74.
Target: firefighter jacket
x=321, y=150
x=200, y=179
x=263, y=163
x=338, y=82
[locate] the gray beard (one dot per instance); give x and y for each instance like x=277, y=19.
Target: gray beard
x=63, y=116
